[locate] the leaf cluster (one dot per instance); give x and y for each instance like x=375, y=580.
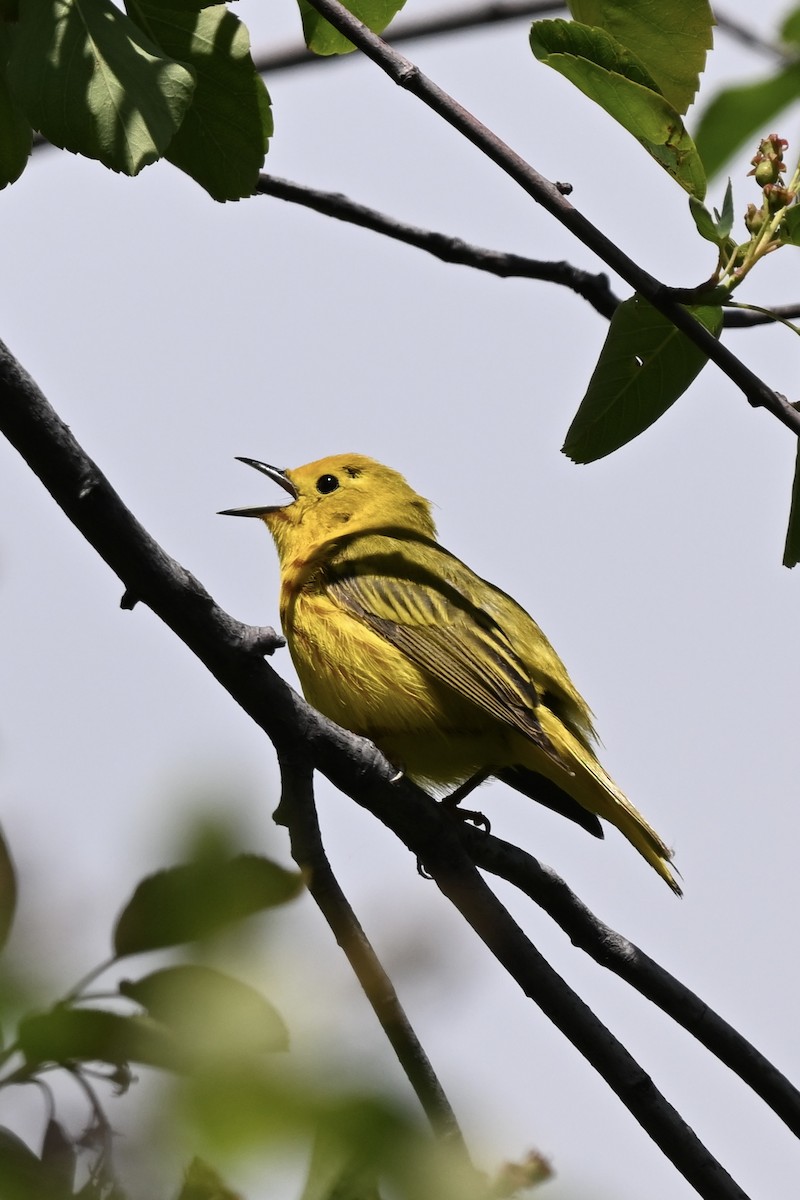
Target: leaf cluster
x=173, y=80
x=188, y=1019
x=642, y=64
x=225, y=1044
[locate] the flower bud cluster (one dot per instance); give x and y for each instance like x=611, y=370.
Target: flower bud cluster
x=768, y=162
x=768, y=166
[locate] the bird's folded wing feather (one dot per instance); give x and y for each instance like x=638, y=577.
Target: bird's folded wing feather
x=420, y=599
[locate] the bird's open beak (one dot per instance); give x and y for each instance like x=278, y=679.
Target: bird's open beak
x=275, y=473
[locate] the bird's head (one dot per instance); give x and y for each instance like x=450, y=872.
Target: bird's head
x=338, y=496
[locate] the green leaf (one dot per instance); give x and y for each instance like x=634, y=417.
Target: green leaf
x=86, y=76
x=716, y=229
x=322, y=38
x=8, y=891
x=188, y=902
x=672, y=40
x=739, y=114
x=16, y=135
x=620, y=83
x=208, y=1011
x=224, y=136
x=706, y=225
x=66, y=1035
x=725, y=218
x=644, y=366
x=790, y=229
x=202, y=1182
x=791, y=550
x=59, y=1157
x=23, y=1176
x=790, y=29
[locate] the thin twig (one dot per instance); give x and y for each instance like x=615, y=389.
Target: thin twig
x=353, y=764
x=748, y=37
x=462, y=19
x=594, y=288
x=297, y=811
x=406, y=75
x=613, y=951
x=743, y=318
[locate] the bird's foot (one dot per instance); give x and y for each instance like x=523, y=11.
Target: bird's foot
x=469, y=814
x=452, y=802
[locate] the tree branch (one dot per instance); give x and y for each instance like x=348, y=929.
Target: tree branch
x=594, y=288
x=422, y=27
x=462, y=884
x=750, y=38
x=297, y=811
x=352, y=764
x=480, y=15
x=406, y=75
x=617, y=954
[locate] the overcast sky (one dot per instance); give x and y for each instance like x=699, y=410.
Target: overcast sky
x=173, y=333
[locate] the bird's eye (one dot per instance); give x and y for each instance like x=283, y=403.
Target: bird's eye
x=327, y=483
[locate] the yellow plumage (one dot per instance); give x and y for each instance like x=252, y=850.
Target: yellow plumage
x=397, y=640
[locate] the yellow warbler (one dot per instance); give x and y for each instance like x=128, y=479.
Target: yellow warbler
x=397, y=640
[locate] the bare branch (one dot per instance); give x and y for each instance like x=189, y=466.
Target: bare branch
x=612, y=950
x=351, y=763
x=297, y=811
x=463, y=885
x=406, y=75
x=594, y=288
x=748, y=37
x=743, y=318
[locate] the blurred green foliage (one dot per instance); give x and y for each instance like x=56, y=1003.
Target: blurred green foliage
x=225, y=1083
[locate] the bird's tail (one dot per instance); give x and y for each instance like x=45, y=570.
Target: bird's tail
x=594, y=789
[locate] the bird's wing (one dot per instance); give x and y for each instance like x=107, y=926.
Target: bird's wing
x=427, y=603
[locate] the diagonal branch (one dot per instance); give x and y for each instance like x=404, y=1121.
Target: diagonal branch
x=612, y=950
x=748, y=37
x=352, y=764
x=297, y=811
x=406, y=75
x=594, y=288
x=464, y=887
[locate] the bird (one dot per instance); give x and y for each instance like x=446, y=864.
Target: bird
x=399, y=641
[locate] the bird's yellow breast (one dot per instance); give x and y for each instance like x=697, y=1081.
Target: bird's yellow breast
x=364, y=683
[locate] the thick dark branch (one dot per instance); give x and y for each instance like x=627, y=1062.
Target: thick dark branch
x=297, y=811
x=461, y=883
x=612, y=950
x=406, y=75
x=594, y=288
x=351, y=763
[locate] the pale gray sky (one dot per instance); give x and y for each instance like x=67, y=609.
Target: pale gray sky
x=173, y=333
